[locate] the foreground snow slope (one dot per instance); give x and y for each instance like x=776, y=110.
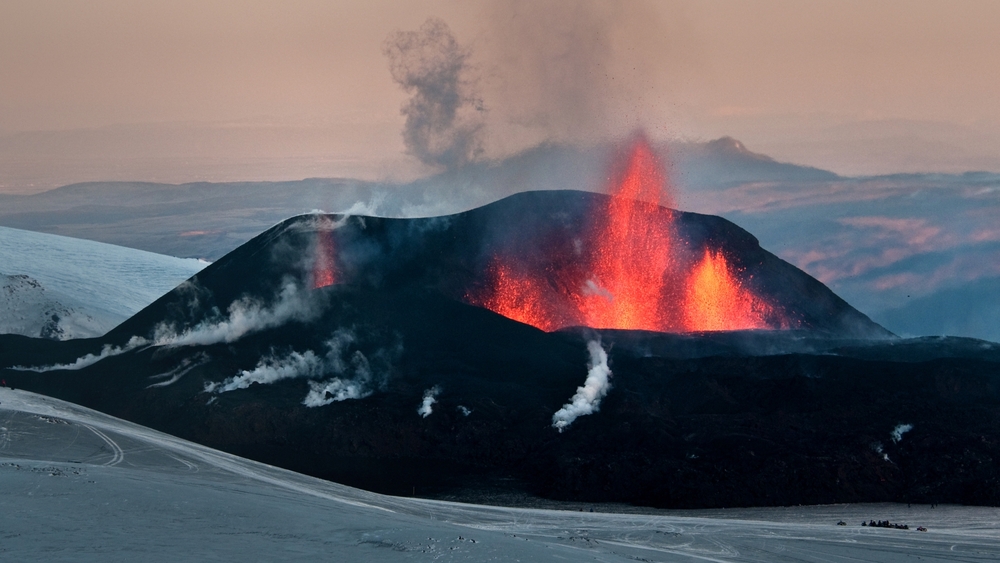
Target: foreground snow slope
x=98, y=284
x=78, y=485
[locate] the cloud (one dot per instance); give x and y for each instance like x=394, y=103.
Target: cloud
x=587, y=399
x=913, y=232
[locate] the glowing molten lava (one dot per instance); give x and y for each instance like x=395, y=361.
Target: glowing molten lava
x=518, y=297
x=631, y=272
x=323, y=260
x=632, y=249
x=714, y=299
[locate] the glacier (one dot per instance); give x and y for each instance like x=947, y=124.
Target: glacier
x=90, y=286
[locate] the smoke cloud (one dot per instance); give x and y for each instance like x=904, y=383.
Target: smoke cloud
x=587, y=399
x=899, y=430
x=245, y=316
x=580, y=71
x=444, y=116
x=430, y=397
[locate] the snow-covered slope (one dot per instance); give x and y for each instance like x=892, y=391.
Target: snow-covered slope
x=61, y=287
x=29, y=309
x=78, y=485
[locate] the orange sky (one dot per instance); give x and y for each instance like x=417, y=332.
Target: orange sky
x=301, y=88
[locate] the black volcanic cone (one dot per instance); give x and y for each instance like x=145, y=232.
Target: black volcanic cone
x=449, y=256
x=724, y=419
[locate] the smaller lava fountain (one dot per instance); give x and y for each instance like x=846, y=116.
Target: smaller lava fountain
x=630, y=270
x=323, y=266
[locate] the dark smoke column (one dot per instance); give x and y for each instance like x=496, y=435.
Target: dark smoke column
x=444, y=117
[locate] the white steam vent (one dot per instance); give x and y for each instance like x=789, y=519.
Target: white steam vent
x=588, y=398
x=899, y=430
x=430, y=397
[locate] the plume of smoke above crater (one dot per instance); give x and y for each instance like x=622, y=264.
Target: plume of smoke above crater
x=444, y=115
x=579, y=71
x=587, y=399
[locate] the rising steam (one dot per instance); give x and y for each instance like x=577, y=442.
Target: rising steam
x=90, y=359
x=899, y=430
x=588, y=398
x=174, y=375
x=245, y=316
x=355, y=376
x=430, y=397
x=444, y=116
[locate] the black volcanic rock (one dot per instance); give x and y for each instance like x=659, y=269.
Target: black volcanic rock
x=691, y=420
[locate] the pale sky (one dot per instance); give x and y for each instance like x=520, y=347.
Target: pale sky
x=223, y=89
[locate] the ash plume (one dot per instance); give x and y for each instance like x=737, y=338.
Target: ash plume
x=587, y=399
x=580, y=71
x=430, y=397
x=444, y=116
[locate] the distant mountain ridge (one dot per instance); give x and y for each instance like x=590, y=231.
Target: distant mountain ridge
x=206, y=220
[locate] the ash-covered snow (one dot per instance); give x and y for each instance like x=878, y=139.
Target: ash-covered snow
x=61, y=287
x=78, y=485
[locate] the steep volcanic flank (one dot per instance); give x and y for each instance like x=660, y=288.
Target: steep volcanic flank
x=364, y=350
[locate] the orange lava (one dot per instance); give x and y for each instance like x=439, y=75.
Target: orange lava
x=323, y=260
x=632, y=273
x=632, y=249
x=715, y=300
x=518, y=297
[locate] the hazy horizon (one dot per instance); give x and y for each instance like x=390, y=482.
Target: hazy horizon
x=226, y=90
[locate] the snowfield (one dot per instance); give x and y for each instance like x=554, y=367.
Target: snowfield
x=78, y=485
x=90, y=286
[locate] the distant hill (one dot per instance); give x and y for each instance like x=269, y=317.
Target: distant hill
x=207, y=220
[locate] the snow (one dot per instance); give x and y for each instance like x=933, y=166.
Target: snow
x=78, y=485
x=95, y=286
x=27, y=308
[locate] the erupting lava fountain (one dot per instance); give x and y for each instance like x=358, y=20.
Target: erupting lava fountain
x=629, y=270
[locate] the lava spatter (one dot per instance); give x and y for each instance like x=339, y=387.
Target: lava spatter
x=323, y=259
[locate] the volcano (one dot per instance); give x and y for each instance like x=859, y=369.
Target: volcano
x=379, y=353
